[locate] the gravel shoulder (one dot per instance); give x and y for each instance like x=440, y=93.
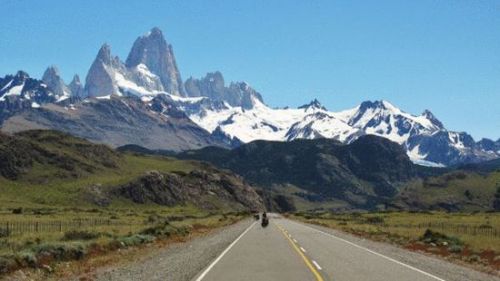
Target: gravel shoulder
x=176, y=262
x=447, y=270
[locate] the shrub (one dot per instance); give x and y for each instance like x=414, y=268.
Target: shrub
x=61, y=252
x=4, y=232
x=17, y=211
x=136, y=239
x=439, y=238
x=26, y=258
x=79, y=235
x=455, y=249
x=165, y=229
x=473, y=258
x=7, y=264
x=375, y=220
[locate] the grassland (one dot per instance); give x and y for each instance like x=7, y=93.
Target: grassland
x=31, y=191
x=467, y=237
x=457, y=190
x=45, y=219
x=48, y=212
x=127, y=227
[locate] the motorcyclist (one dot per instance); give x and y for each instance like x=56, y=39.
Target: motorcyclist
x=265, y=220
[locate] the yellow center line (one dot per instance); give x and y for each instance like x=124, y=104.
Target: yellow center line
x=306, y=260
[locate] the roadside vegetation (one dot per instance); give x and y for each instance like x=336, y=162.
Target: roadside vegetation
x=64, y=199
x=467, y=238
x=41, y=239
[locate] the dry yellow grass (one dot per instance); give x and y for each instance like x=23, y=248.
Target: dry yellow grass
x=477, y=230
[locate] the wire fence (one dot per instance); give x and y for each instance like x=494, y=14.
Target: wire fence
x=483, y=230
x=22, y=227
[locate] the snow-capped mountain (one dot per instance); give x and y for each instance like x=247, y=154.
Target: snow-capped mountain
x=424, y=136
x=19, y=92
x=55, y=83
x=151, y=56
x=150, y=69
x=213, y=87
x=122, y=101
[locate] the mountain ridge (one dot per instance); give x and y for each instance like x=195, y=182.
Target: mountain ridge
x=230, y=114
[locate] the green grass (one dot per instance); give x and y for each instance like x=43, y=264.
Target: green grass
x=472, y=191
x=68, y=191
x=129, y=228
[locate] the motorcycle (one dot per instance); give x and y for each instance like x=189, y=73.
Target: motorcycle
x=265, y=220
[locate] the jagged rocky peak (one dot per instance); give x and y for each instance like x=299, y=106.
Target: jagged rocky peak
x=19, y=92
x=76, y=87
x=378, y=104
x=55, y=83
x=10, y=81
x=431, y=117
x=100, y=79
x=13, y=80
x=153, y=51
x=104, y=54
x=213, y=86
x=488, y=145
x=21, y=75
x=314, y=104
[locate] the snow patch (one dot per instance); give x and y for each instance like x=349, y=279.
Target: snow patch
x=107, y=97
x=7, y=85
x=14, y=91
x=428, y=163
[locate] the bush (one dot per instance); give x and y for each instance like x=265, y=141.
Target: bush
x=440, y=239
x=17, y=211
x=473, y=258
x=79, y=235
x=61, y=252
x=166, y=230
x=375, y=220
x=7, y=264
x=455, y=249
x=27, y=258
x=136, y=239
x=4, y=232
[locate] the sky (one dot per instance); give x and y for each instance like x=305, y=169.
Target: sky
x=428, y=54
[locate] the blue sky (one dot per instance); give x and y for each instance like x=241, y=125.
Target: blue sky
x=439, y=55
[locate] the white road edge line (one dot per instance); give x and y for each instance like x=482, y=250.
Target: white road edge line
x=302, y=249
x=223, y=253
x=373, y=252
x=316, y=265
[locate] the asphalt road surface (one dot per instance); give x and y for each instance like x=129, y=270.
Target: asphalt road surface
x=288, y=250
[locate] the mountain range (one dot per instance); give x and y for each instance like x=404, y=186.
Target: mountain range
x=144, y=101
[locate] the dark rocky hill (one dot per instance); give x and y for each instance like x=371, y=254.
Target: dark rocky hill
x=363, y=173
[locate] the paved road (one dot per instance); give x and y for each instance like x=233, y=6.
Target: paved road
x=287, y=250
